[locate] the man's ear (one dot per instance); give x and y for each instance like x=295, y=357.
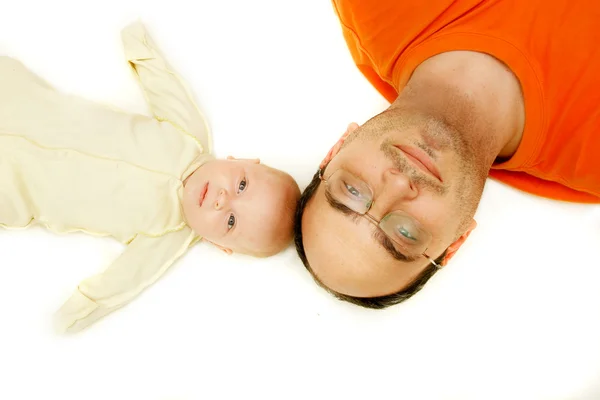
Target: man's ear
x=227, y=250
x=453, y=248
x=336, y=147
x=248, y=160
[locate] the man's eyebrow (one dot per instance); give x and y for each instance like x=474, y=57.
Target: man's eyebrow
x=378, y=235
x=336, y=205
x=387, y=244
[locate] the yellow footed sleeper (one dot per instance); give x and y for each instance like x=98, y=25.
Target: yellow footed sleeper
x=74, y=165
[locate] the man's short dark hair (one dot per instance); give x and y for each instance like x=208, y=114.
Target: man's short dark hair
x=378, y=302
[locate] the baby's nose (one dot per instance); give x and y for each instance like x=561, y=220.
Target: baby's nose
x=221, y=199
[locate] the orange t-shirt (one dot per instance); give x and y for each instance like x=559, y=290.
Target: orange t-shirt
x=552, y=46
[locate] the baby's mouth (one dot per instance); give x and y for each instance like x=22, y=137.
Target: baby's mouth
x=203, y=194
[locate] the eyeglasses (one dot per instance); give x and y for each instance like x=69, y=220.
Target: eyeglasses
x=404, y=231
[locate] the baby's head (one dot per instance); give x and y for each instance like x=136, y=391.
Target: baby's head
x=241, y=206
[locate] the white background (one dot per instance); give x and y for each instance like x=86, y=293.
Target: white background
x=514, y=316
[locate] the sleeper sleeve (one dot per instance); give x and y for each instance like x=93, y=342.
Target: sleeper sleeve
x=166, y=92
x=143, y=262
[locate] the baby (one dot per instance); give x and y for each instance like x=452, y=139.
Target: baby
x=152, y=183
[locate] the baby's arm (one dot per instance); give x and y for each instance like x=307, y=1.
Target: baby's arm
x=167, y=94
x=143, y=262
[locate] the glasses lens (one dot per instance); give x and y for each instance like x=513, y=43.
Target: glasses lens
x=405, y=232
x=350, y=191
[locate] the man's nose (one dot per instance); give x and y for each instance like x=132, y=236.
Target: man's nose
x=396, y=187
x=221, y=200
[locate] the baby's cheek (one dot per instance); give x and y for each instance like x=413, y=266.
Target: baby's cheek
x=197, y=221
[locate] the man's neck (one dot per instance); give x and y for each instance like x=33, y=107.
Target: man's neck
x=475, y=95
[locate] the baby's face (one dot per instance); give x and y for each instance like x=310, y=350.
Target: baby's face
x=233, y=203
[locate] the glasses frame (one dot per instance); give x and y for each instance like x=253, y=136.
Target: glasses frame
x=372, y=219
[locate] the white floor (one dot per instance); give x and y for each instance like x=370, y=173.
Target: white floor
x=515, y=316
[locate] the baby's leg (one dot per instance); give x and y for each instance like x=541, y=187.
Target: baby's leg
x=16, y=204
x=32, y=110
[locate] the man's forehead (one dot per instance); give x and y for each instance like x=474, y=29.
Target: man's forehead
x=327, y=230
x=344, y=255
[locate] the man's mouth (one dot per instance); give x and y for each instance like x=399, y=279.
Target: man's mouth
x=203, y=194
x=421, y=160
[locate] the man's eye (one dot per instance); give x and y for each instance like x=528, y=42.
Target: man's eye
x=242, y=185
x=231, y=222
x=352, y=190
x=406, y=233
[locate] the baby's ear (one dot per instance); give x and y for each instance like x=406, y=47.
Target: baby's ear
x=227, y=250
x=248, y=160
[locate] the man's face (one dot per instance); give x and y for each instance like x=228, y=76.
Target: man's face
x=422, y=172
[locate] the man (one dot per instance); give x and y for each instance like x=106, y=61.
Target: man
x=500, y=87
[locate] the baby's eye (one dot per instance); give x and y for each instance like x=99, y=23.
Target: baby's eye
x=231, y=222
x=242, y=185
